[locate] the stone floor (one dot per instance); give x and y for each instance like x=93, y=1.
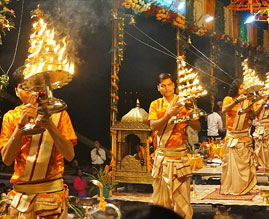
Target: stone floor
x=203, y=209
x=200, y=211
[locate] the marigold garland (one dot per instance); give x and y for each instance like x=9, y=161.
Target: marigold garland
x=4, y=80
x=161, y=14
x=102, y=203
x=149, y=163
x=137, y=5
x=6, y=22
x=178, y=20
x=114, y=77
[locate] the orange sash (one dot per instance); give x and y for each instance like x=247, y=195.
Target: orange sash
x=240, y=119
x=39, y=155
x=264, y=113
x=162, y=140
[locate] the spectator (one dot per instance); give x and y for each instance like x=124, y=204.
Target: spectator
x=80, y=184
x=214, y=124
x=223, y=119
x=98, y=156
x=140, y=153
x=3, y=205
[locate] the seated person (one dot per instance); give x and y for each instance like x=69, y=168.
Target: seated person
x=80, y=184
x=140, y=153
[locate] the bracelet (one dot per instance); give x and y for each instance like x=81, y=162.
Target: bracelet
x=20, y=126
x=236, y=101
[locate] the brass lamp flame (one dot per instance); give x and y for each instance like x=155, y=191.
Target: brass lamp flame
x=252, y=85
x=189, y=88
x=251, y=81
x=47, y=66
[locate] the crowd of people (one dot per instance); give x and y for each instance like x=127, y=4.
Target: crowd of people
x=38, y=188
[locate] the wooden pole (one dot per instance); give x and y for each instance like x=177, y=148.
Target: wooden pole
x=212, y=79
x=114, y=59
x=178, y=41
x=178, y=54
x=114, y=71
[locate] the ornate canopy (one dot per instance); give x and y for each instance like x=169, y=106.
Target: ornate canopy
x=135, y=119
x=248, y=5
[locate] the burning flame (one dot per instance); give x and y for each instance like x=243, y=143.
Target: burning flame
x=45, y=54
x=189, y=84
x=250, y=77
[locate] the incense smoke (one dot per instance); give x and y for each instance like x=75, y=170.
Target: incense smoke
x=74, y=19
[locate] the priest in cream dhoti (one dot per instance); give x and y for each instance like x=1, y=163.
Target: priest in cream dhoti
x=238, y=169
x=171, y=169
x=38, y=189
x=261, y=134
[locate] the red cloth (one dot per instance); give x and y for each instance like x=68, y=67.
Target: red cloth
x=79, y=185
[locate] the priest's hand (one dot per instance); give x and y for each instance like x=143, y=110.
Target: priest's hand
x=175, y=109
x=28, y=111
x=44, y=121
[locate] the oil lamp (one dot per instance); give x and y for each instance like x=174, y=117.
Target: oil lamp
x=189, y=89
x=47, y=66
x=252, y=85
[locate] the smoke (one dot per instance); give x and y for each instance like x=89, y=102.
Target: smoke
x=205, y=67
x=75, y=19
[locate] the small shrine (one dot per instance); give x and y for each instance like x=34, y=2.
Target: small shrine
x=132, y=147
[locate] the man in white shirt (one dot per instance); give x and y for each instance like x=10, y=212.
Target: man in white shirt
x=192, y=135
x=214, y=124
x=98, y=155
x=223, y=119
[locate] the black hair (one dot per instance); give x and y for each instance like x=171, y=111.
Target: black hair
x=18, y=77
x=77, y=169
x=151, y=212
x=233, y=91
x=164, y=76
x=216, y=108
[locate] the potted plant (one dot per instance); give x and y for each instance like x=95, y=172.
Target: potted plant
x=104, y=176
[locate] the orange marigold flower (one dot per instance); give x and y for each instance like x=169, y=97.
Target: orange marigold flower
x=106, y=168
x=12, y=193
x=112, y=165
x=110, y=174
